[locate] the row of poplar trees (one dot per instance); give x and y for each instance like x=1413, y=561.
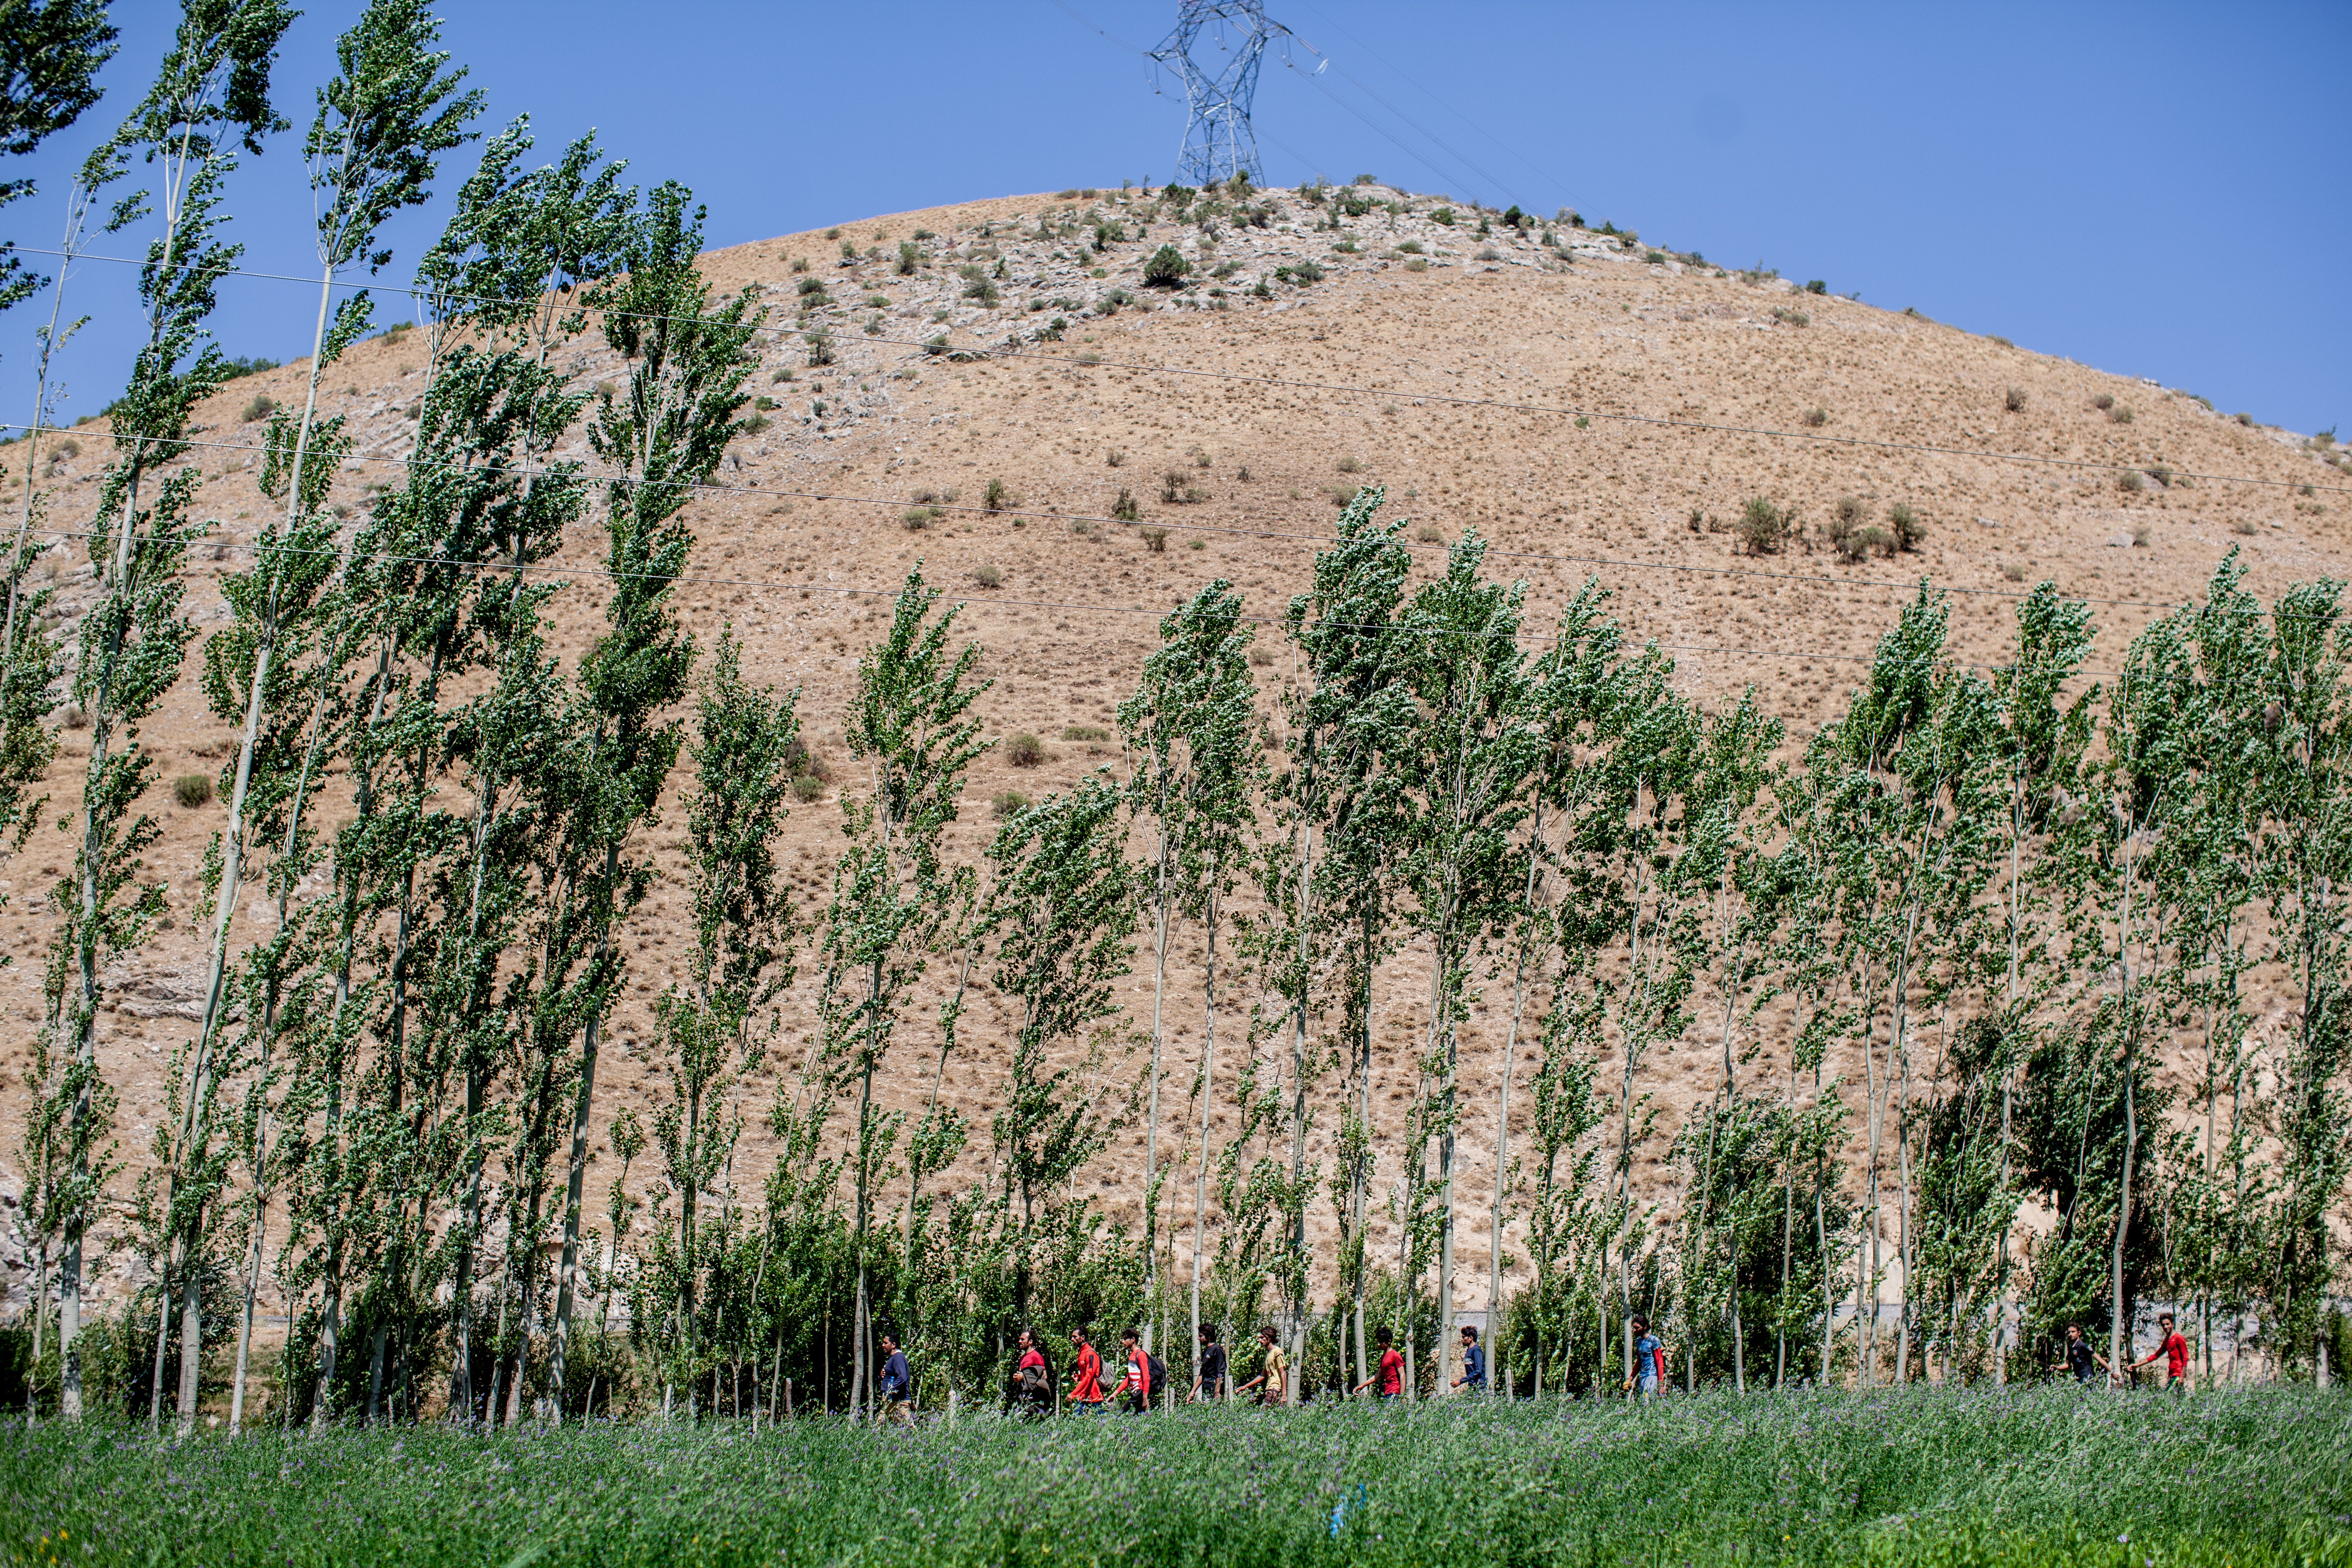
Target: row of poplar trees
x=1945, y=961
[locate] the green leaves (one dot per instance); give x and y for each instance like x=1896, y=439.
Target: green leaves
x=384, y=121
x=911, y=721
x=50, y=51
x=210, y=95
x=526, y=253
x=1063, y=913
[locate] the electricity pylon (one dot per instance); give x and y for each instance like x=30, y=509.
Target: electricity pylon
x=1218, y=142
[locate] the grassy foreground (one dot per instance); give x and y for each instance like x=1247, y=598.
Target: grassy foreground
x=1926, y=1477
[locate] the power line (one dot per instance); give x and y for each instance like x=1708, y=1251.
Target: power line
x=492, y=568
x=1118, y=43
x=1377, y=131
x=1765, y=432
x=1614, y=562
x=1462, y=158
x=1442, y=103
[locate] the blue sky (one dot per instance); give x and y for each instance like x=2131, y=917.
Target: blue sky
x=2152, y=189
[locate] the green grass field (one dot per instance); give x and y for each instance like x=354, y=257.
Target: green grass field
x=1917, y=1477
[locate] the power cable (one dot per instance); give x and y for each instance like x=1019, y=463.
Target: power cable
x=1441, y=104
x=1070, y=11
x=1008, y=352
x=492, y=568
x=1376, y=130
x=1464, y=159
x=1553, y=557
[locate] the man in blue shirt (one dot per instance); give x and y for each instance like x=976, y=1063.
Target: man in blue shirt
x=1649, y=1362
x=898, y=1384
x=1474, y=1362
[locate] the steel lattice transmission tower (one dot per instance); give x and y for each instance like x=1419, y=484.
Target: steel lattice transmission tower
x=1218, y=44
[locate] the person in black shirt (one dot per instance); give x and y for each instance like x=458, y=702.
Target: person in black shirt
x=1211, y=1384
x=2081, y=1359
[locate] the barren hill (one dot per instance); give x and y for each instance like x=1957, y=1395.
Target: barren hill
x=1592, y=407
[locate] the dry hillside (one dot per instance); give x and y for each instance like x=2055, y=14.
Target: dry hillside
x=1579, y=405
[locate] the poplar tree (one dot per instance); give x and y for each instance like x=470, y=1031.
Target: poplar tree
x=2042, y=735
x=1579, y=689
x=894, y=900
x=1193, y=723
x=662, y=434
x=1722, y=827
x=50, y=52
x=381, y=122
x=1063, y=913
x=1642, y=884
x=2128, y=918
x=526, y=258
x=741, y=960
x=211, y=95
x=1329, y=871
x=1897, y=788
x=2308, y=840
x=2214, y=850
x=1472, y=759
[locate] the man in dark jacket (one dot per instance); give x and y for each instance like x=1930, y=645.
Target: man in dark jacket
x=898, y=1383
x=1474, y=1362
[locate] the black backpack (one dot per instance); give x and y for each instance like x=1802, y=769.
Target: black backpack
x=1159, y=1372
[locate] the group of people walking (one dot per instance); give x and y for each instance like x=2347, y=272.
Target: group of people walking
x=1142, y=1381
x=2086, y=1363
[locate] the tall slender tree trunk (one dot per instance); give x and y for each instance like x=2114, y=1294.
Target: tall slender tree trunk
x=1152, y=1282
x=1208, y=1098
x=1297, y=1305
x=1503, y=1101
x=576, y=1178
x=1358, y=1176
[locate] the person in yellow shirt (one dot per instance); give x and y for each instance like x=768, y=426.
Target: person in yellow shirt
x=1273, y=1379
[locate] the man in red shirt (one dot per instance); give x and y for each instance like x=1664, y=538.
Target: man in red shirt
x=2174, y=1352
x=1391, y=1373
x=1033, y=1386
x=1085, y=1390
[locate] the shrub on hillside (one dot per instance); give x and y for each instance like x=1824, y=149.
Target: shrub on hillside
x=1909, y=528
x=1848, y=516
x=1764, y=527
x=1024, y=749
x=1167, y=268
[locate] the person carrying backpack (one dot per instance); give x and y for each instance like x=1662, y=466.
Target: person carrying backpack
x=1144, y=1378
x=1031, y=1391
